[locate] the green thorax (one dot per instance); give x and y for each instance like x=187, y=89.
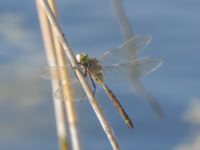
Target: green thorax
x=82, y=58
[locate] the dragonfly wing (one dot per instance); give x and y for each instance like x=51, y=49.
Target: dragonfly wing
x=115, y=73
x=78, y=92
x=135, y=44
x=126, y=51
x=56, y=72
x=110, y=57
x=143, y=66
x=130, y=69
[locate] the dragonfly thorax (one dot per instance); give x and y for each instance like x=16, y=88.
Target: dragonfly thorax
x=95, y=70
x=90, y=67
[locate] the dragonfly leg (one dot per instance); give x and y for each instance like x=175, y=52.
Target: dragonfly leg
x=94, y=85
x=82, y=98
x=85, y=71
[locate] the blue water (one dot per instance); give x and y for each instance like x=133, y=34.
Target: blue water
x=27, y=116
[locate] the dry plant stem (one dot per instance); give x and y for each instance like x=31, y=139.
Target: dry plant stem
x=50, y=53
x=65, y=78
x=137, y=85
x=123, y=20
x=91, y=98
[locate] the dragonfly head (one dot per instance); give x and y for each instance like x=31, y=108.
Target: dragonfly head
x=82, y=58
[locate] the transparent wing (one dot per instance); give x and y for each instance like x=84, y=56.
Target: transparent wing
x=132, y=68
x=76, y=87
x=79, y=93
x=56, y=72
x=126, y=51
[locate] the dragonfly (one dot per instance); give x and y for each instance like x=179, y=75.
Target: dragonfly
x=115, y=65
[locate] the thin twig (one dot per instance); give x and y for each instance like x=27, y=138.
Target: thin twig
x=50, y=53
x=122, y=19
x=67, y=91
x=71, y=57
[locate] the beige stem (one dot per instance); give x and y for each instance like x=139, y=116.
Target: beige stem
x=65, y=78
x=50, y=53
x=71, y=57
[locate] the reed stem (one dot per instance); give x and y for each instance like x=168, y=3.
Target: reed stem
x=52, y=61
x=122, y=19
x=72, y=60
x=65, y=78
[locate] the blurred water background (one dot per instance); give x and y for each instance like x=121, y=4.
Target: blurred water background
x=26, y=106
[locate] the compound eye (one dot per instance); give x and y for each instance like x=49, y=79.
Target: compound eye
x=78, y=58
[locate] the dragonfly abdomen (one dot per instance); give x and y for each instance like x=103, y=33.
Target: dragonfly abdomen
x=118, y=106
